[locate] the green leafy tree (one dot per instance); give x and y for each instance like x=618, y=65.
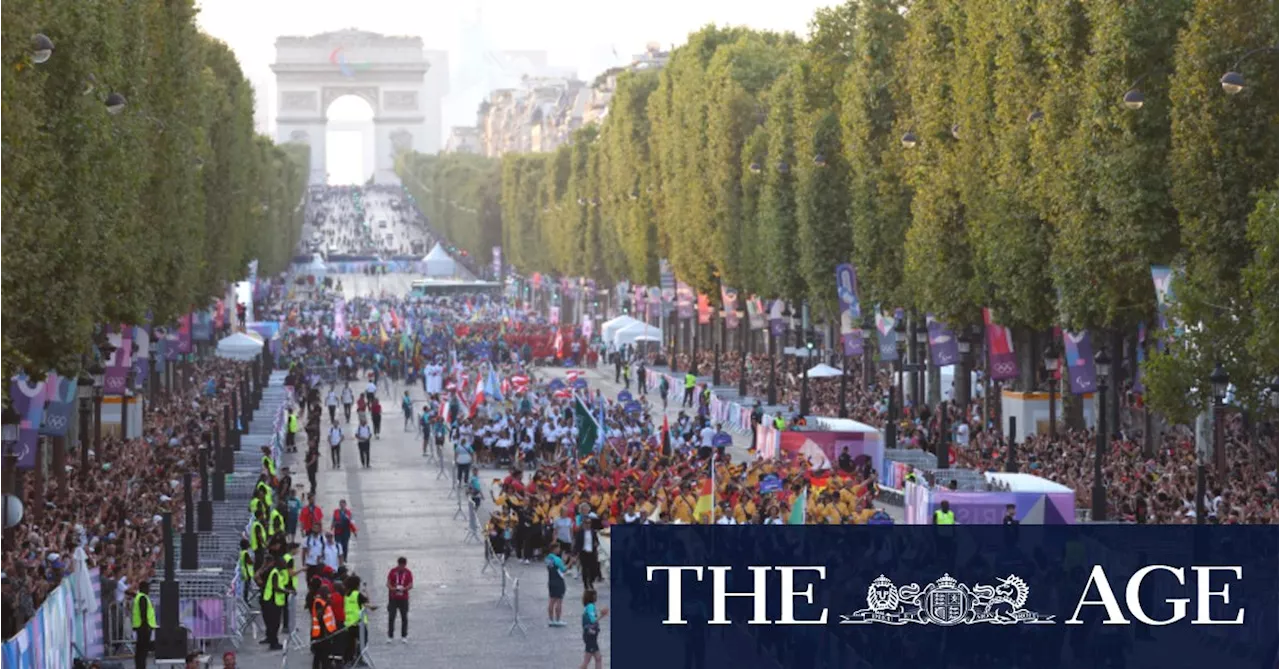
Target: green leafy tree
x=776, y=211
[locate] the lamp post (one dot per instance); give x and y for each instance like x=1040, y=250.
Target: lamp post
x=717, y=345
x=844, y=382
x=1220, y=380
x=961, y=380
x=804, y=379
x=1102, y=363
x=10, y=431
x=84, y=392
x=1051, y=364
x=99, y=386
x=1233, y=82
x=900, y=340
x=920, y=337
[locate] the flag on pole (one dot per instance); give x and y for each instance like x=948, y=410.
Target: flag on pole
x=706, y=498
x=478, y=399
x=797, y=516
x=588, y=429
x=491, y=386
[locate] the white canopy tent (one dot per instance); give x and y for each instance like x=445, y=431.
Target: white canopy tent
x=822, y=371
x=439, y=263
x=631, y=333
x=610, y=328
x=239, y=346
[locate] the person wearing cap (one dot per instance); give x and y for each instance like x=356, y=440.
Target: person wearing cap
x=144, y=624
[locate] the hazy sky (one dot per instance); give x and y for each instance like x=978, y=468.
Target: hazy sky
x=576, y=34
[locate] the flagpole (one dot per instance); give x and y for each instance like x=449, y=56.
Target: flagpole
x=713, y=488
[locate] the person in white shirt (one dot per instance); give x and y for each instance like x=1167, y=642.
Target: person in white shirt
x=331, y=401
x=335, y=446
x=371, y=389
x=706, y=435
x=313, y=551
x=348, y=398
x=462, y=452
x=962, y=434
x=363, y=434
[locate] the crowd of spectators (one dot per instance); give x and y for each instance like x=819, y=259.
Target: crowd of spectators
x=113, y=510
x=1157, y=488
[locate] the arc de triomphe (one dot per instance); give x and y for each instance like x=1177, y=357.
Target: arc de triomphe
x=404, y=85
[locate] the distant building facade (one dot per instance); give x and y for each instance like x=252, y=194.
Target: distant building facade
x=542, y=113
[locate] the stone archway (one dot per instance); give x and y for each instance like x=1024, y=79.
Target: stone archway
x=403, y=84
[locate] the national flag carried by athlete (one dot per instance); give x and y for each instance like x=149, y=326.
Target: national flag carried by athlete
x=589, y=430
x=559, y=344
x=706, y=498
x=478, y=399
x=798, y=508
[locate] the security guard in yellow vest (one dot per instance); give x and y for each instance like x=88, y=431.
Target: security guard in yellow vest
x=912, y=478
x=275, y=589
x=689, y=382
x=352, y=605
x=275, y=524
x=268, y=464
x=246, y=567
x=287, y=560
x=144, y=624
x=264, y=489
x=291, y=432
x=257, y=541
x=944, y=515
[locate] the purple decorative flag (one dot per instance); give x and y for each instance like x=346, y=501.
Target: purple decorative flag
x=729, y=298
x=60, y=394
x=1000, y=357
x=142, y=360
x=28, y=400
x=684, y=300
x=887, y=336
x=852, y=342
x=1080, y=362
x=847, y=291
x=944, y=350
x=184, y=334
x=777, y=324
x=171, y=343
x=121, y=361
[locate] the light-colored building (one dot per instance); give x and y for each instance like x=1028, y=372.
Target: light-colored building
x=464, y=139
x=542, y=112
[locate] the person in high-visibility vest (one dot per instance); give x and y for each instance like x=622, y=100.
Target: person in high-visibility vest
x=275, y=588
x=265, y=489
x=291, y=432
x=287, y=559
x=689, y=382
x=268, y=463
x=275, y=522
x=246, y=567
x=144, y=624
x=779, y=423
x=353, y=604
x=324, y=625
x=257, y=541
x=944, y=515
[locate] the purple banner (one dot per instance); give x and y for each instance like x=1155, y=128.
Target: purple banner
x=497, y=261
x=684, y=300
x=887, y=337
x=1080, y=362
x=142, y=360
x=184, y=334
x=729, y=297
x=60, y=394
x=852, y=342
x=121, y=361
x=28, y=400
x=202, y=325
x=777, y=324
x=847, y=291
x=944, y=350
x=1001, y=360
x=170, y=348
x=340, y=319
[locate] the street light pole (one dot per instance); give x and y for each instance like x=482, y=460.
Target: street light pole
x=804, y=379
x=1051, y=364
x=1220, y=380
x=1099, y=507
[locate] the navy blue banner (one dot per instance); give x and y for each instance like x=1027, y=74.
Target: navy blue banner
x=1045, y=597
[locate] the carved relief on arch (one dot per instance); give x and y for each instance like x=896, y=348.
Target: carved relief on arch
x=367, y=93
x=300, y=137
x=401, y=140
x=299, y=100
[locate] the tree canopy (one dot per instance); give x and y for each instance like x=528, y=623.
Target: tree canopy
x=961, y=155
x=109, y=218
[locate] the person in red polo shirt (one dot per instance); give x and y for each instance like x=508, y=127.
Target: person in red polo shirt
x=311, y=516
x=399, y=583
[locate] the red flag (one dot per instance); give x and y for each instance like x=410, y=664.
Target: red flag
x=559, y=345
x=478, y=399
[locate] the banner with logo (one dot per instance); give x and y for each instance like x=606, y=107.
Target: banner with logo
x=755, y=313
x=684, y=300
x=220, y=315
x=184, y=334
x=1032, y=594
x=117, y=368
x=1079, y=350
x=944, y=350
x=704, y=309
x=729, y=298
x=850, y=336
x=497, y=262
x=1001, y=361
x=886, y=336
x=60, y=396
x=847, y=291
x=202, y=325
x=667, y=281
x=28, y=400
x=777, y=323
x=142, y=359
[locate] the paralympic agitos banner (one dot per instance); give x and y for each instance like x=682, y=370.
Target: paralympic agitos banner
x=1069, y=597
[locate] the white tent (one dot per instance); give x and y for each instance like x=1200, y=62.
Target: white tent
x=629, y=334
x=610, y=328
x=439, y=263
x=822, y=371
x=239, y=346
x=317, y=268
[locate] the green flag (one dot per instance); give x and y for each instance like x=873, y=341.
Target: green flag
x=588, y=431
